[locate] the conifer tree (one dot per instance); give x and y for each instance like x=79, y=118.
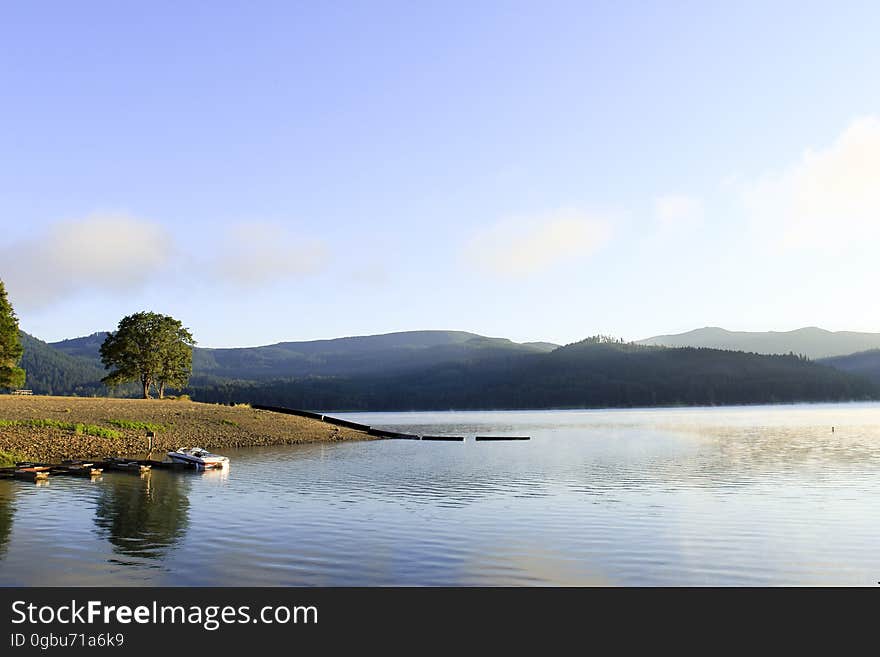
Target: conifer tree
x=11, y=376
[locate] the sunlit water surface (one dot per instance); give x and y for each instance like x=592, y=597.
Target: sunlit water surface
x=731, y=496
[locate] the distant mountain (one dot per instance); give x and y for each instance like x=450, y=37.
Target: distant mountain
x=542, y=346
x=863, y=363
x=592, y=373
x=811, y=342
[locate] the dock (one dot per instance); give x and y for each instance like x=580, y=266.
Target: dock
x=125, y=465
x=33, y=471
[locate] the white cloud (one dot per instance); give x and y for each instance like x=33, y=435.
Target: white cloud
x=676, y=211
x=110, y=252
x=259, y=252
x=828, y=199
x=526, y=245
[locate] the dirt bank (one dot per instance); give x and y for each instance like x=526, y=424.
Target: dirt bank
x=45, y=428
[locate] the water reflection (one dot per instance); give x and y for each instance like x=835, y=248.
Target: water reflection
x=143, y=516
x=7, y=511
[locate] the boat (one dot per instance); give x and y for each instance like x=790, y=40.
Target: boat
x=201, y=458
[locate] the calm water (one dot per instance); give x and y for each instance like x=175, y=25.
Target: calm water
x=758, y=495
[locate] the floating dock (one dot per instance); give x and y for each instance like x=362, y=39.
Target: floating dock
x=502, y=438
x=125, y=465
x=77, y=469
x=31, y=474
x=382, y=433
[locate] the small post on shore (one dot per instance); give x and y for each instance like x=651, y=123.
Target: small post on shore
x=150, y=436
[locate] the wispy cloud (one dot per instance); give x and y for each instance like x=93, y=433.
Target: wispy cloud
x=256, y=253
x=104, y=252
x=827, y=199
x=678, y=211
x=521, y=246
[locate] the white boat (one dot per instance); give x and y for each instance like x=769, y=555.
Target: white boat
x=201, y=458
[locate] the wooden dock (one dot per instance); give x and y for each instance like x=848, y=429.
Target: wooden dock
x=167, y=465
x=33, y=471
x=40, y=471
x=125, y=465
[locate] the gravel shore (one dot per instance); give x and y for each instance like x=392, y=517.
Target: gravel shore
x=183, y=424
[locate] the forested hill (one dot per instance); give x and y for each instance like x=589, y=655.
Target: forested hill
x=53, y=372
x=592, y=373
x=864, y=363
x=88, y=346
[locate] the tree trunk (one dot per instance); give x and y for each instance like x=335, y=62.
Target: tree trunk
x=161, y=386
x=146, y=381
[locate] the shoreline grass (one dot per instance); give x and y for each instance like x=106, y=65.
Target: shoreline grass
x=137, y=424
x=10, y=458
x=78, y=428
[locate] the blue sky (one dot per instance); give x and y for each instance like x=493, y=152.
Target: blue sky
x=540, y=171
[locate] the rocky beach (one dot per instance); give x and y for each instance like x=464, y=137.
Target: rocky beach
x=44, y=428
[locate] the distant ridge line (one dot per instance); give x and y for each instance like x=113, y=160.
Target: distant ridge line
x=809, y=341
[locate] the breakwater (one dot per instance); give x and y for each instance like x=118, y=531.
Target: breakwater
x=373, y=431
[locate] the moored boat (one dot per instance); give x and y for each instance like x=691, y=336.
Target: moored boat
x=200, y=458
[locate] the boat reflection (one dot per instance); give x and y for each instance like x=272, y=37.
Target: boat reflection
x=214, y=474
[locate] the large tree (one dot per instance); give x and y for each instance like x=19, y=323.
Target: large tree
x=11, y=376
x=175, y=362
x=150, y=348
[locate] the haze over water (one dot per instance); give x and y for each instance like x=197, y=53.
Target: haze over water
x=730, y=496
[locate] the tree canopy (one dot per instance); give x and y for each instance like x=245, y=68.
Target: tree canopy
x=153, y=349
x=11, y=376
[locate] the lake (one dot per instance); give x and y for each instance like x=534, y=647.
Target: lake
x=704, y=496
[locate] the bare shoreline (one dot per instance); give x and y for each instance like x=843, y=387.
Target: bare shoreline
x=174, y=423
